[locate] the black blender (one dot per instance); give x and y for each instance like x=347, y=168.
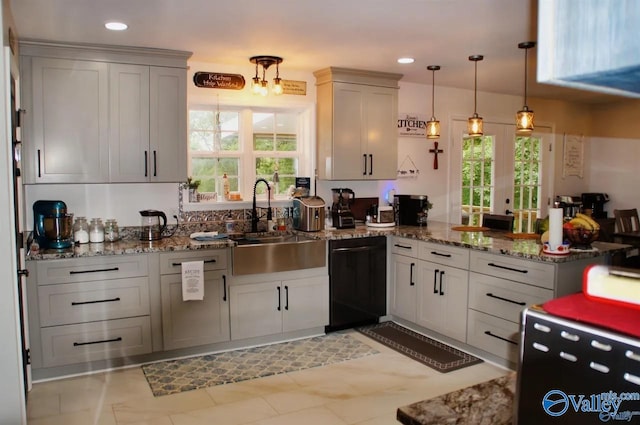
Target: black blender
x=53, y=227
x=342, y=217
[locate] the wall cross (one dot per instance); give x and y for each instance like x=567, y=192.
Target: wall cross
x=435, y=151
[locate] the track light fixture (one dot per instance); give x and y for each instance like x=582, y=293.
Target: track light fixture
x=524, y=117
x=474, y=125
x=433, y=125
x=261, y=86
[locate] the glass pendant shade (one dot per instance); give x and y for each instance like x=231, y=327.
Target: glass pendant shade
x=433, y=125
x=524, y=117
x=277, y=86
x=474, y=126
x=524, y=120
x=433, y=128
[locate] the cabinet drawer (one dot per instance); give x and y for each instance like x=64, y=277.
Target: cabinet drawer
x=444, y=254
x=503, y=298
x=496, y=336
x=87, y=342
x=92, y=301
x=405, y=246
x=91, y=268
x=526, y=271
x=215, y=259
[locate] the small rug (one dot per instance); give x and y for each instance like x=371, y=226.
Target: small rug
x=430, y=352
x=174, y=376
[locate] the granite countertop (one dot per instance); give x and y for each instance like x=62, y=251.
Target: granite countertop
x=487, y=403
x=436, y=232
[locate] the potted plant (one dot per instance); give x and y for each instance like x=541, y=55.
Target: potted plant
x=192, y=187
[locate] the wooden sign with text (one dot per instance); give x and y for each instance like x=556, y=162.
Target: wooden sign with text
x=294, y=87
x=217, y=80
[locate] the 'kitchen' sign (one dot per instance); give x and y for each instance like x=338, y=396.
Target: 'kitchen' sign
x=217, y=80
x=412, y=125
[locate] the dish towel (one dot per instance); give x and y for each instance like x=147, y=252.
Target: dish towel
x=193, y=281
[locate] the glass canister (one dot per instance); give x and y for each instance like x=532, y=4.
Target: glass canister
x=81, y=230
x=111, y=231
x=96, y=230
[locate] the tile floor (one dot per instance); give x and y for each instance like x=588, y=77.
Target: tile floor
x=365, y=391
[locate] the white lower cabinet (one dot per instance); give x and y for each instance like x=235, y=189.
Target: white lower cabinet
x=277, y=306
x=403, y=289
x=442, y=299
x=195, y=322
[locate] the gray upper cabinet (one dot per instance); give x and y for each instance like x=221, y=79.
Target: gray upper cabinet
x=99, y=114
x=68, y=119
x=357, y=124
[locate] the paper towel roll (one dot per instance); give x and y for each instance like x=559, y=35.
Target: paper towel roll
x=555, y=228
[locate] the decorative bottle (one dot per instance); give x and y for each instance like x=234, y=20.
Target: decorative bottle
x=111, y=231
x=225, y=186
x=96, y=230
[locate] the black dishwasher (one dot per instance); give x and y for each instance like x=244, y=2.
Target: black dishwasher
x=357, y=277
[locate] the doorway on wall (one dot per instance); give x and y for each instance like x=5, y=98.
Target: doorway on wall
x=500, y=173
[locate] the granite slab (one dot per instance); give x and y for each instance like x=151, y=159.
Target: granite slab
x=487, y=403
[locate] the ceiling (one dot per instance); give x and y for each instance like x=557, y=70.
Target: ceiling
x=309, y=35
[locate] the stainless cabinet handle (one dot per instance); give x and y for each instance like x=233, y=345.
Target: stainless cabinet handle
x=499, y=337
x=440, y=255
x=435, y=278
x=411, y=282
x=112, y=269
x=353, y=249
x=146, y=165
x=441, y=274
x=77, y=344
x=110, y=300
x=489, y=294
x=507, y=268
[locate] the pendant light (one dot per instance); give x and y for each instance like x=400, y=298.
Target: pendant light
x=524, y=117
x=433, y=125
x=474, y=125
x=261, y=86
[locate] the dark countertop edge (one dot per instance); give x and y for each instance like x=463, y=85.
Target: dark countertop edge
x=457, y=403
x=184, y=243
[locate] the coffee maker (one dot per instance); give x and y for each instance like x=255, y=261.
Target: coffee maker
x=411, y=210
x=341, y=215
x=595, y=202
x=52, y=227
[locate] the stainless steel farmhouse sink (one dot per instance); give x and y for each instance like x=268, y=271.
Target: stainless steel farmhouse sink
x=277, y=253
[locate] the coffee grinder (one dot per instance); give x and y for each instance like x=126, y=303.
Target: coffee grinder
x=53, y=227
x=341, y=215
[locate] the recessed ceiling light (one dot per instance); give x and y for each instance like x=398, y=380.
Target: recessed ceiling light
x=116, y=26
x=406, y=60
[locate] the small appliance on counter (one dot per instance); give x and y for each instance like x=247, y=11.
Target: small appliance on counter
x=380, y=216
x=595, y=202
x=150, y=227
x=53, y=226
x=571, y=205
x=410, y=210
x=308, y=213
x=342, y=217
